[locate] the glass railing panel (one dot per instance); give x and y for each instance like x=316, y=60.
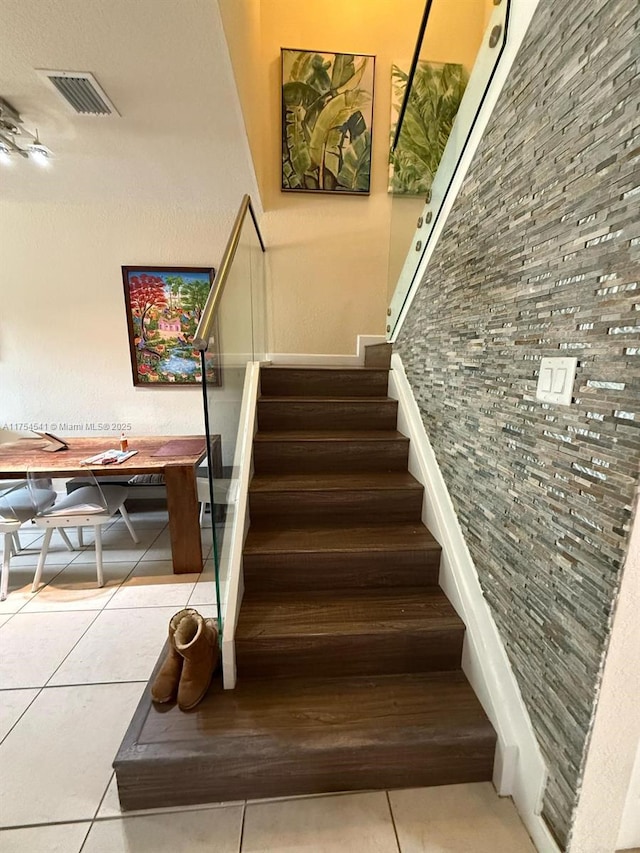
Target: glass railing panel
x=405, y=211
x=236, y=336
x=258, y=298
x=448, y=54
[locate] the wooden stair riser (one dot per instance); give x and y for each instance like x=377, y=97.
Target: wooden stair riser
x=378, y=355
x=273, y=457
x=348, y=570
x=336, y=505
x=330, y=414
x=378, y=653
x=252, y=774
x=310, y=382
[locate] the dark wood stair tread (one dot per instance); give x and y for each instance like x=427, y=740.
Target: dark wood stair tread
x=330, y=435
x=345, y=613
x=290, y=557
x=329, y=412
x=285, y=737
x=374, y=480
x=298, y=380
x=289, y=451
x=311, y=399
x=269, y=539
x=314, y=399
x=307, y=711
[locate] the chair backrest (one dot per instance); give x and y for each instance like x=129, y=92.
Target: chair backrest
x=18, y=504
x=10, y=485
x=88, y=499
x=8, y=513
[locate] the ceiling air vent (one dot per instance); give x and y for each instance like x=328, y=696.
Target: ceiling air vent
x=82, y=91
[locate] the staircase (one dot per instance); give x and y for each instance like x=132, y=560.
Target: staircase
x=348, y=652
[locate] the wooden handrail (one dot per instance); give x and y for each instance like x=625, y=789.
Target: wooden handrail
x=205, y=326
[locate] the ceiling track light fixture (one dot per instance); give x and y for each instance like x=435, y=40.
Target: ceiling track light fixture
x=38, y=151
x=16, y=140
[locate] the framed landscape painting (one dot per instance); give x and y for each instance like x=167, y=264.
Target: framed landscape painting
x=164, y=306
x=327, y=111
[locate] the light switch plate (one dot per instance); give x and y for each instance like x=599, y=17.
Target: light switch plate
x=556, y=379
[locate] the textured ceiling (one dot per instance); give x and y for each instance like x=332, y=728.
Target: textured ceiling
x=164, y=64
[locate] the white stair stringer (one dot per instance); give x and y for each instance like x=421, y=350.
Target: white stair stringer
x=519, y=770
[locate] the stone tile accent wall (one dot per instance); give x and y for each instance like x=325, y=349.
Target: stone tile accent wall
x=541, y=257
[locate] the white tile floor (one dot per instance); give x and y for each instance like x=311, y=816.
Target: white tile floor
x=73, y=662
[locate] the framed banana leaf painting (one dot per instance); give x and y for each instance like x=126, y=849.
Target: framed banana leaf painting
x=433, y=103
x=327, y=111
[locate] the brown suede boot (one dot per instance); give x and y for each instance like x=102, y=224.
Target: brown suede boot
x=196, y=639
x=165, y=685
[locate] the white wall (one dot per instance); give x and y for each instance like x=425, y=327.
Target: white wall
x=64, y=353
x=600, y=823
x=159, y=184
x=629, y=833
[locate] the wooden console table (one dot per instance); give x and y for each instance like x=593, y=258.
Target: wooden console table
x=179, y=471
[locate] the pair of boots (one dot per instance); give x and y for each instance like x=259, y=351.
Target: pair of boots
x=187, y=670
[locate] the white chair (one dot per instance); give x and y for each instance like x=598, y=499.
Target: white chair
x=17, y=505
x=88, y=506
x=221, y=493
x=9, y=486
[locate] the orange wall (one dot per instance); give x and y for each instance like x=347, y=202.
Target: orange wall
x=329, y=256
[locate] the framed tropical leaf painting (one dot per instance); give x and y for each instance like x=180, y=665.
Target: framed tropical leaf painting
x=164, y=306
x=327, y=111
x=435, y=97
